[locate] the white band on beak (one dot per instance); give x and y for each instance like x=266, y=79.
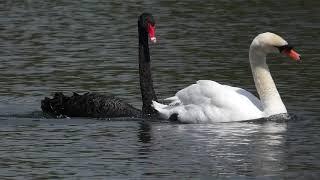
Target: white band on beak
x=153, y=39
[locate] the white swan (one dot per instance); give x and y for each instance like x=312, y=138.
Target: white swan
x=208, y=101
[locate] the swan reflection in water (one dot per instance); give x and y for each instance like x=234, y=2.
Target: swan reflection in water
x=229, y=148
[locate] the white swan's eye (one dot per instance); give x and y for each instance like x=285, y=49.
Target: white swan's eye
x=285, y=47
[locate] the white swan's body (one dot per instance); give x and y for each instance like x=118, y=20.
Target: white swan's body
x=208, y=101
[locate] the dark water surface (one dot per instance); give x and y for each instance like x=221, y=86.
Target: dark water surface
x=48, y=46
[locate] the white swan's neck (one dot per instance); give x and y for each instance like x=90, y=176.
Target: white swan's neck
x=269, y=95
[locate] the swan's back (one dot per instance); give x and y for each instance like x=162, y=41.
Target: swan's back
x=88, y=105
x=208, y=101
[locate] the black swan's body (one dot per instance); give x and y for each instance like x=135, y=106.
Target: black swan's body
x=102, y=106
x=88, y=105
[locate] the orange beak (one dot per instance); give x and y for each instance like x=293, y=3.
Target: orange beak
x=292, y=54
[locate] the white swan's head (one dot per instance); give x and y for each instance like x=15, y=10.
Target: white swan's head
x=272, y=43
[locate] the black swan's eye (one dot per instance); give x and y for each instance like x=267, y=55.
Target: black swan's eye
x=150, y=21
x=146, y=19
x=285, y=47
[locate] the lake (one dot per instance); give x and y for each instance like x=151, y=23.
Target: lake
x=48, y=46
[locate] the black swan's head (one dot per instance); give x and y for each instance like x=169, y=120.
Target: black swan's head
x=148, y=24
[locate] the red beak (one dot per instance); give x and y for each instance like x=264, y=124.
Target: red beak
x=292, y=54
x=152, y=33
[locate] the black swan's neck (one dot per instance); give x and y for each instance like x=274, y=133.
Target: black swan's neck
x=146, y=83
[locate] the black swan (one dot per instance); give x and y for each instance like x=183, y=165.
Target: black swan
x=102, y=106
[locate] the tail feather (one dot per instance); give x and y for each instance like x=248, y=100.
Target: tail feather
x=161, y=108
x=174, y=98
x=173, y=101
x=55, y=106
x=157, y=105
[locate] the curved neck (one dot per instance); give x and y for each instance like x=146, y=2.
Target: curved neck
x=268, y=93
x=146, y=83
